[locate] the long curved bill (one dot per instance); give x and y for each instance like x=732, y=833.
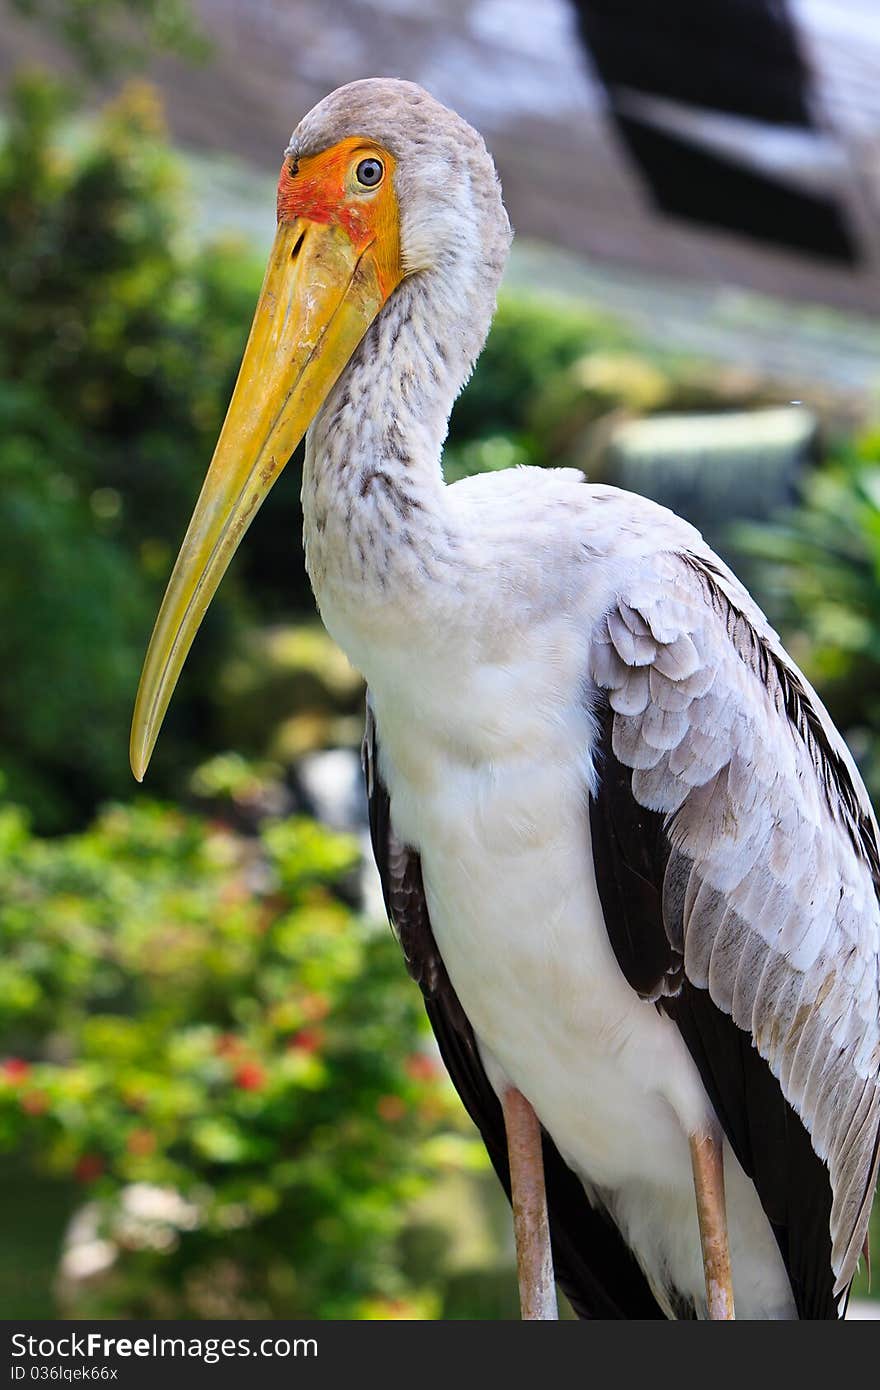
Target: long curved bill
x=319, y=296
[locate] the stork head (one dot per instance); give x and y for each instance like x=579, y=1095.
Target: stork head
x=380, y=184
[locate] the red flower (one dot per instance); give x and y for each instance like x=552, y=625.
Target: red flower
x=390, y=1108
x=141, y=1142
x=14, y=1069
x=421, y=1067
x=307, y=1040
x=89, y=1167
x=315, y=1007
x=250, y=1076
x=35, y=1103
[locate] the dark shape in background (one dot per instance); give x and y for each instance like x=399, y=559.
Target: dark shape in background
x=689, y=181
x=739, y=57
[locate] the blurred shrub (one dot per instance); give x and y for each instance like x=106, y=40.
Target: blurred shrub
x=532, y=342
x=71, y=610
x=289, y=689
x=200, y=1033
x=555, y=380
x=819, y=573
x=603, y=386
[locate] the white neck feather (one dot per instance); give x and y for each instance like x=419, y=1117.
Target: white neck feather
x=377, y=531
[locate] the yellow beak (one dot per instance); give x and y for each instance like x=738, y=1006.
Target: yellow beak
x=319, y=296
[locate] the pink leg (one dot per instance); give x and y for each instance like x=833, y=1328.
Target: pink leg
x=531, y=1228
x=707, y=1159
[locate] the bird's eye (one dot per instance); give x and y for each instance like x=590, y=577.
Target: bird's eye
x=369, y=173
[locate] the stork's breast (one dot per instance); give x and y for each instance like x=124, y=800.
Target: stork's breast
x=488, y=752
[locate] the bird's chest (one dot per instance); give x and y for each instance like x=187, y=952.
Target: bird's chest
x=495, y=797
x=478, y=743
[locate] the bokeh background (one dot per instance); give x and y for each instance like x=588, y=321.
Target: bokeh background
x=217, y=1094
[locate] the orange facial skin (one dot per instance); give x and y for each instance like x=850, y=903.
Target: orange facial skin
x=323, y=188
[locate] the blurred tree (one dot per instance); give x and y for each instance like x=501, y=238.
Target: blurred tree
x=118, y=345
x=132, y=336
x=104, y=36
x=72, y=606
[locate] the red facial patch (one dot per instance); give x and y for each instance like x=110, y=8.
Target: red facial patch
x=319, y=188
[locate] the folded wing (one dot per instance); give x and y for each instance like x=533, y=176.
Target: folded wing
x=737, y=858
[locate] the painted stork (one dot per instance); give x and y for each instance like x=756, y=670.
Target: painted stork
x=628, y=857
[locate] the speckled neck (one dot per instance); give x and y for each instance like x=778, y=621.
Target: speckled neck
x=376, y=526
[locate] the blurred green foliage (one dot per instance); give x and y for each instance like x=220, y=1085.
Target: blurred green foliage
x=118, y=345
x=532, y=342
x=198, y=1013
x=819, y=570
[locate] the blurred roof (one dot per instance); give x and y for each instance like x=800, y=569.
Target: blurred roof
x=603, y=135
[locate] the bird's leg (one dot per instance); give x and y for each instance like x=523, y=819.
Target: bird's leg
x=531, y=1228
x=707, y=1160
